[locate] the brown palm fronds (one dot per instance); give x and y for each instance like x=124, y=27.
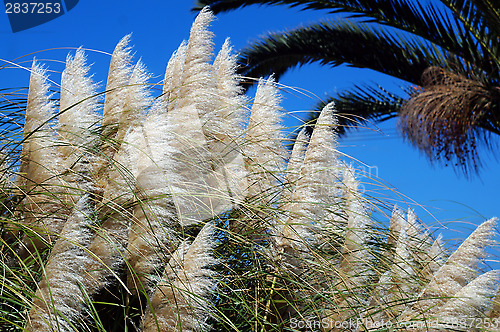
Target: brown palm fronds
x=443, y=118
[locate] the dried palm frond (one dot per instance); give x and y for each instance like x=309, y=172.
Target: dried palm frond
x=446, y=116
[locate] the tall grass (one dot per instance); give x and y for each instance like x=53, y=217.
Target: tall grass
x=167, y=214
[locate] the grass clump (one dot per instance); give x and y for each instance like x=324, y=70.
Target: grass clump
x=165, y=214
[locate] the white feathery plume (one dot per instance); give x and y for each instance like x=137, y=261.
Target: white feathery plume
x=402, y=265
x=77, y=117
x=319, y=184
x=161, y=132
x=196, y=94
x=118, y=79
x=41, y=166
x=312, y=194
x=189, y=137
x=358, y=222
x=264, y=153
x=229, y=92
x=105, y=256
x=414, y=230
x=59, y=299
x=78, y=104
x=154, y=231
x=397, y=222
x=176, y=261
x=472, y=301
x=436, y=257
x=319, y=175
x=230, y=184
x=419, y=240
x=470, y=304
x=192, y=165
x=197, y=86
x=315, y=188
x=124, y=170
x=355, y=251
x=119, y=185
x=38, y=132
x=222, y=126
x=39, y=106
x=181, y=302
x=151, y=320
x=402, y=242
x=137, y=100
x=397, y=285
x=206, y=189
x=417, y=253
x=459, y=269
x=107, y=247
x=173, y=77
x=117, y=90
x=355, y=259
x=294, y=165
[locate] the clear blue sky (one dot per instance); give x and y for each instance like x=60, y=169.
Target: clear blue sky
x=158, y=27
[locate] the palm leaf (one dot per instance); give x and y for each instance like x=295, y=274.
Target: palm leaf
x=479, y=13
x=342, y=42
x=449, y=115
x=482, y=20
x=429, y=22
x=359, y=106
x=218, y=6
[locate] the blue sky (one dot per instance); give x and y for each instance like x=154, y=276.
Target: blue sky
x=158, y=27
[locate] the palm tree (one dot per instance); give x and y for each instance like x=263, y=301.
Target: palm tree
x=448, y=51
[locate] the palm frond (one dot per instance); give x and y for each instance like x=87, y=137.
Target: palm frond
x=427, y=21
x=342, y=42
x=218, y=6
x=358, y=106
x=449, y=115
x=481, y=19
